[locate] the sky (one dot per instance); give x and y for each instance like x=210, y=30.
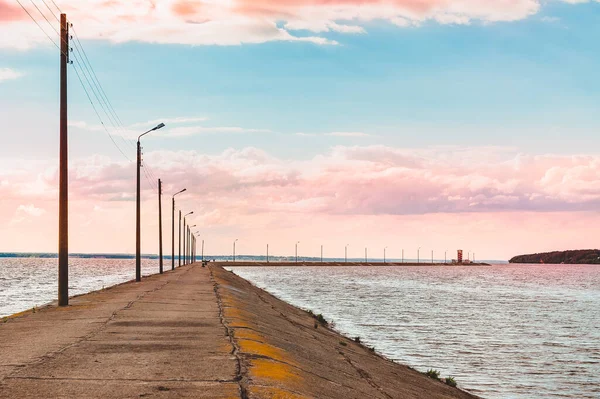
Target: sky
x=406, y=124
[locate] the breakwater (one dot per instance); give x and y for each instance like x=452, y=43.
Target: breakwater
x=340, y=264
x=194, y=332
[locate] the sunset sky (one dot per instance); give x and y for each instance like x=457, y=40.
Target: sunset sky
x=439, y=124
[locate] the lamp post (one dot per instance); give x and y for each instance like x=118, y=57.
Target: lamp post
x=185, y=234
x=173, y=230
x=384, y=262
x=160, y=229
x=297, y=251
x=267, y=253
x=445, y=256
x=321, y=253
x=432, y=256
x=366, y=261
x=179, y=239
x=346, y=253
x=236, y=240
x=402, y=255
x=190, y=247
x=138, y=228
x=196, y=235
x=418, y=255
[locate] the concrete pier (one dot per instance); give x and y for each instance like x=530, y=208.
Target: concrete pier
x=195, y=332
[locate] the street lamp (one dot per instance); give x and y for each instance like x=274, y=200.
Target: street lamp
x=173, y=231
x=138, y=228
x=346, y=253
x=445, y=256
x=196, y=235
x=185, y=233
x=418, y=255
x=297, y=251
x=384, y=262
x=189, y=246
x=236, y=240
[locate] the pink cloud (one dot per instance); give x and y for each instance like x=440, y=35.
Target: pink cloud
x=347, y=180
x=251, y=21
x=187, y=8
x=487, y=197
x=10, y=12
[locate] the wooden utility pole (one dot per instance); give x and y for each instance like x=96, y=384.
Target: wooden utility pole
x=138, y=235
x=179, y=239
x=173, y=235
x=160, y=246
x=63, y=201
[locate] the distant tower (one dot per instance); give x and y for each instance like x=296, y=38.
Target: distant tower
x=460, y=256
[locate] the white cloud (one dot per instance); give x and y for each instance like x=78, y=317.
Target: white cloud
x=9, y=74
x=175, y=127
x=199, y=130
x=31, y=210
x=348, y=134
x=550, y=19
x=236, y=22
x=170, y=121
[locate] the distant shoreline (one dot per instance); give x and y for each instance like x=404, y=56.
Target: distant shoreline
x=75, y=256
x=255, y=260
x=340, y=264
x=576, y=257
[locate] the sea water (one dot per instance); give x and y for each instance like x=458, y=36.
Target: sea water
x=506, y=331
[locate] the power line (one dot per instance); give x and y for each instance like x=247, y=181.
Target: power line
x=101, y=89
x=95, y=85
x=42, y=29
x=102, y=98
x=49, y=23
x=51, y=12
x=152, y=174
x=57, y=7
x=150, y=181
x=95, y=90
x=96, y=111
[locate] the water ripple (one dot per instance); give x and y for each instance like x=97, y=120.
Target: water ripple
x=518, y=332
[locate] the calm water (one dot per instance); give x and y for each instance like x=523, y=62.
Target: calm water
x=29, y=282
x=502, y=331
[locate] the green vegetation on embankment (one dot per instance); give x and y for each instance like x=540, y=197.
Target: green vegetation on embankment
x=581, y=257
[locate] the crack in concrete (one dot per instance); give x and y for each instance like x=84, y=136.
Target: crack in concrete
x=91, y=334
x=364, y=375
x=241, y=370
x=118, y=379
